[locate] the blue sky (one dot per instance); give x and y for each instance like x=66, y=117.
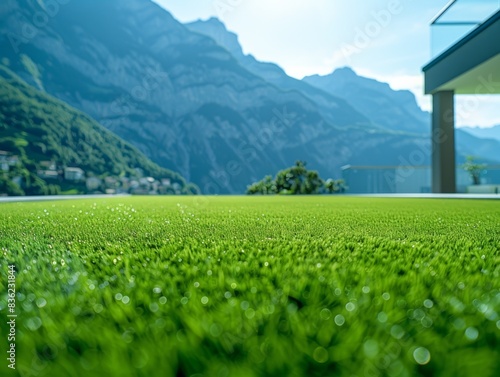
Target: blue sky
x=388, y=40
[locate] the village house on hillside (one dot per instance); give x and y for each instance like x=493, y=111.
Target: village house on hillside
x=74, y=174
x=7, y=160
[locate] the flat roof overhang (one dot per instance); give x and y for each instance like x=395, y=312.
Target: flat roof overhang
x=471, y=66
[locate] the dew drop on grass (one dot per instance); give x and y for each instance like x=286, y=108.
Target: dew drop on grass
x=292, y=308
x=162, y=300
x=227, y=295
x=245, y=305
x=127, y=337
x=41, y=302
x=471, y=333
x=320, y=355
x=204, y=300
x=338, y=292
x=196, y=284
x=339, y=320
x=34, y=323
x=157, y=290
x=366, y=289
x=215, y=330
x=370, y=347
x=427, y=322
x=397, y=332
x=27, y=306
x=118, y=297
x=126, y=300
x=498, y=324
x=483, y=308
x=386, y=296
x=422, y=355
x=154, y=307
x=418, y=314
x=459, y=324
x=269, y=308
x=382, y=317
x=428, y=304
x=491, y=315
x=184, y=300
x=325, y=314
x=249, y=313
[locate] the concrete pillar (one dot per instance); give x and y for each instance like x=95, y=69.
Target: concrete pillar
x=443, y=143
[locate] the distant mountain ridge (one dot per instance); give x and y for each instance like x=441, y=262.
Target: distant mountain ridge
x=484, y=133
x=392, y=110
x=36, y=127
x=331, y=107
x=382, y=106
x=222, y=120
x=387, y=108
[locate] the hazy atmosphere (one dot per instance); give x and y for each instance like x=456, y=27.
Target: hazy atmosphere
x=388, y=40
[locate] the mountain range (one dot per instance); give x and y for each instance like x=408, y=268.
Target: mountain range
x=37, y=128
x=189, y=99
x=484, y=133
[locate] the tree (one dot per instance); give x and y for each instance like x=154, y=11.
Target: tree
x=8, y=187
x=474, y=169
x=334, y=186
x=296, y=180
x=265, y=187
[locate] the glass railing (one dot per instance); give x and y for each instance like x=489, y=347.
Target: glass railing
x=458, y=19
x=413, y=179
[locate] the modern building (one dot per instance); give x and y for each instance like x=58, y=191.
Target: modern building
x=74, y=174
x=403, y=179
x=466, y=60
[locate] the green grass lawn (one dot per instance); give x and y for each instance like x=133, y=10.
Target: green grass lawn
x=253, y=286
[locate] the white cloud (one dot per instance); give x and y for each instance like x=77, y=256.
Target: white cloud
x=481, y=110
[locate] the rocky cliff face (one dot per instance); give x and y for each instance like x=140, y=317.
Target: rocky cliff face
x=332, y=108
x=390, y=109
x=187, y=102
x=177, y=95
x=376, y=101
